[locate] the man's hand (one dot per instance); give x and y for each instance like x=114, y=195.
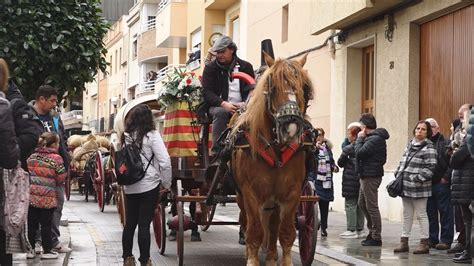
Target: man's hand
x=229, y=106
x=361, y=134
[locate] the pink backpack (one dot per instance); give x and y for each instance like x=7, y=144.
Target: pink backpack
x=16, y=184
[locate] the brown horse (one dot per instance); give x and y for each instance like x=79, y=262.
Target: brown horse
x=271, y=186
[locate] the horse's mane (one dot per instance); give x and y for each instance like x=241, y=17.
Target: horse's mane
x=284, y=75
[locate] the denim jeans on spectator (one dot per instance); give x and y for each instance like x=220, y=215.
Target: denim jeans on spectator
x=440, y=211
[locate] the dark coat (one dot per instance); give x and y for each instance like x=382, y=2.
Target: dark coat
x=63, y=151
x=28, y=127
x=470, y=133
x=371, y=153
x=215, y=82
x=350, y=178
x=9, y=150
x=462, y=188
x=441, y=144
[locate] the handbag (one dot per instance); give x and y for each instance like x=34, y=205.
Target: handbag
x=395, y=187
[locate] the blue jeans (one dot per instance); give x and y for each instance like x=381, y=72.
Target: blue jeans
x=440, y=212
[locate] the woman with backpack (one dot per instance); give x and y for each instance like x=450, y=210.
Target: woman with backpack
x=9, y=152
x=142, y=196
x=47, y=172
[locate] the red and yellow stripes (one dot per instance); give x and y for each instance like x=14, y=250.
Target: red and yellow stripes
x=179, y=135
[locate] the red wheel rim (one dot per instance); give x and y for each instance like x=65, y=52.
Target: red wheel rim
x=159, y=227
x=67, y=185
x=307, y=232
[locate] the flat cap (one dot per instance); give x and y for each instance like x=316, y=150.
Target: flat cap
x=221, y=43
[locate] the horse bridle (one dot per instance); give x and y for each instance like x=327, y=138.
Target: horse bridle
x=286, y=113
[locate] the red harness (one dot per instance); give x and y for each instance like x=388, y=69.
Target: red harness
x=268, y=154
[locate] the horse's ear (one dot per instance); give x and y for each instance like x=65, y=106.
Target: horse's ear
x=302, y=61
x=268, y=59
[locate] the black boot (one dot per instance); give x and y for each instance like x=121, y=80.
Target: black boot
x=465, y=257
x=241, y=237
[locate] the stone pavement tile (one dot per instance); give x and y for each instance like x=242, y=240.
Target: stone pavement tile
x=351, y=251
x=65, y=238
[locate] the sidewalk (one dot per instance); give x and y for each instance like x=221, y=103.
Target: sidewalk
x=352, y=252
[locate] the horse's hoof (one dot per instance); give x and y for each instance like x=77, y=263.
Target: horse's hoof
x=242, y=240
x=270, y=263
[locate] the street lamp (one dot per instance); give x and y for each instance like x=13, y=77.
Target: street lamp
x=114, y=101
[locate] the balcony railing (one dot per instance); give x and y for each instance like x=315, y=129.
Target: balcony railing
x=149, y=25
x=75, y=114
x=162, y=5
x=145, y=88
x=167, y=70
x=93, y=124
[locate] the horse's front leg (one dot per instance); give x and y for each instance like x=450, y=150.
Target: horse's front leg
x=271, y=234
x=254, y=232
x=287, y=233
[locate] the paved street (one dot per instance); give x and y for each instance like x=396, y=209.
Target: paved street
x=219, y=245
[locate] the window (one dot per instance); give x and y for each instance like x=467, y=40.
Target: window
x=116, y=61
x=284, y=24
x=236, y=31
x=111, y=64
x=134, y=50
x=368, y=79
x=120, y=61
x=196, y=38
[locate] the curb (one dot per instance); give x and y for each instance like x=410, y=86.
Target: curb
x=340, y=256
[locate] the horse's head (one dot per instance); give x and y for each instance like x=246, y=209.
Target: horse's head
x=287, y=89
x=279, y=101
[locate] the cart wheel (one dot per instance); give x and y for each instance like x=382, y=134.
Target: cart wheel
x=180, y=233
x=308, y=223
x=67, y=185
x=99, y=181
x=159, y=227
x=121, y=204
x=210, y=210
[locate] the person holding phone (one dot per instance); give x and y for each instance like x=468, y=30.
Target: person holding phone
x=371, y=155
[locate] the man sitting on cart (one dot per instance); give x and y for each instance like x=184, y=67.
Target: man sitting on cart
x=223, y=94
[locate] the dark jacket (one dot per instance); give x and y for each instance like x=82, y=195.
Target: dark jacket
x=470, y=133
x=28, y=127
x=9, y=150
x=350, y=178
x=63, y=151
x=215, y=82
x=371, y=153
x=462, y=188
x=442, y=166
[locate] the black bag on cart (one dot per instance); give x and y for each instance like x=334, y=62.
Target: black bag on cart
x=129, y=166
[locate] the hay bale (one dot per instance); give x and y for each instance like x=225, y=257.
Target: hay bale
x=74, y=141
x=103, y=142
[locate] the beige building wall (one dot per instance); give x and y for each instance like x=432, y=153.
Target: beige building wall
x=265, y=21
x=396, y=87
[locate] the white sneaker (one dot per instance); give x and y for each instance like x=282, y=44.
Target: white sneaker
x=61, y=249
x=347, y=233
x=361, y=234
x=49, y=255
x=31, y=254
x=351, y=235
x=38, y=248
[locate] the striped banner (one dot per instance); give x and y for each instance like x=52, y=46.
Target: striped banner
x=179, y=135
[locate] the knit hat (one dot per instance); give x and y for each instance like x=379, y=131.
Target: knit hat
x=368, y=120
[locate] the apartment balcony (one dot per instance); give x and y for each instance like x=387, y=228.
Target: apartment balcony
x=171, y=23
x=72, y=119
x=220, y=4
x=147, y=52
x=154, y=86
x=338, y=15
